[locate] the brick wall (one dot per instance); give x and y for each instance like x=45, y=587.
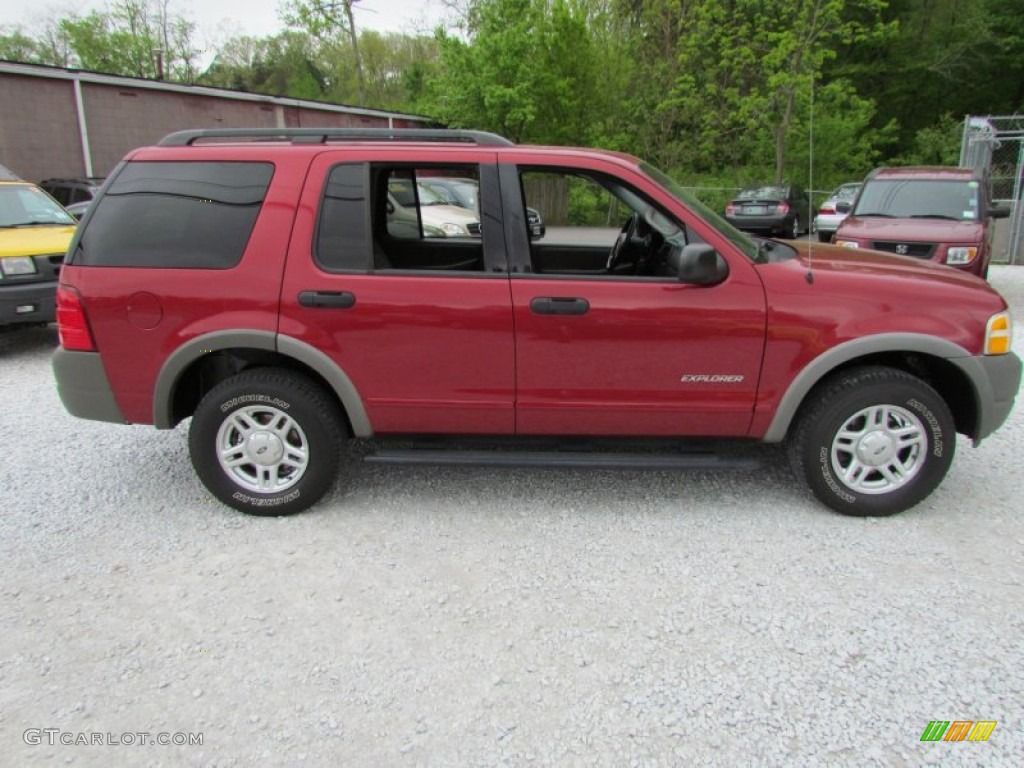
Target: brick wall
x=39, y=128
x=39, y=135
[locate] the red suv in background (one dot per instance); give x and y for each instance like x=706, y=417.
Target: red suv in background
x=256, y=287
x=939, y=214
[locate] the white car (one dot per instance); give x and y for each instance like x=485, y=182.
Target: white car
x=437, y=217
x=827, y=221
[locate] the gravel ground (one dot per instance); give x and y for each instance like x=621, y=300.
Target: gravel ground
x=476, y=617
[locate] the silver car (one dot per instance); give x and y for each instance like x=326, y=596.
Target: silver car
x=827, y=221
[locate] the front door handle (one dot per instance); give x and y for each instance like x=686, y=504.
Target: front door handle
x=559, y=305
x=330, y=299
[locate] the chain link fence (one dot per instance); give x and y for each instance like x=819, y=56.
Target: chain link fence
x=996, y=143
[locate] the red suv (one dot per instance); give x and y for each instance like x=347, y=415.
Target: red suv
x=253, y=281
x=939, y=214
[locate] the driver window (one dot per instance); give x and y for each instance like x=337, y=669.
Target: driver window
x=591, y=225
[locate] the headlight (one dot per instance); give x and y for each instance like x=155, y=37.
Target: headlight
x=961, y=256
x=998, y=334
x=451, y=229
x=18, y=265
x=848, y=243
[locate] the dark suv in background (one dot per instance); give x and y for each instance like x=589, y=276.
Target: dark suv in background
x=939, y=214
x=73, y=194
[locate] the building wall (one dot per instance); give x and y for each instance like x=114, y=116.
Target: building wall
x=39, y=132
x=121, y=119
x=39, y=127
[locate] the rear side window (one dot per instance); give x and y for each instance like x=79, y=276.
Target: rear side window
x=341, y=241
x=176, y=215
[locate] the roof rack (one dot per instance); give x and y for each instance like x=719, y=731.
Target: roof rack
x=323, y=135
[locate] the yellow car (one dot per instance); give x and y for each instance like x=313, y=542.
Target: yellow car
x=34, y=235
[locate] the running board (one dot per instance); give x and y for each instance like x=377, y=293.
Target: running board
x=559, y=459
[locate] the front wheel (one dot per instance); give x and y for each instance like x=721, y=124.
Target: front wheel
x=267, y=441
x=873, y=441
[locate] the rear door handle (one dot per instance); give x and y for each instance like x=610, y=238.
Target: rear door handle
x=559, y=305
x=329, y=299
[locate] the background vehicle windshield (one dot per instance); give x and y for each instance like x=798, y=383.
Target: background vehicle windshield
x=22, y=205
x=846, y=192
x=919, y=198
x=684, y=196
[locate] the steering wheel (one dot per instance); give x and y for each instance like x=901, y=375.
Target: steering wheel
x=629, y=230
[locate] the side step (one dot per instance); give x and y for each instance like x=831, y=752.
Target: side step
x=560, y=459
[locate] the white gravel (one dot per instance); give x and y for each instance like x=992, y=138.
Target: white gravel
x=463, y=617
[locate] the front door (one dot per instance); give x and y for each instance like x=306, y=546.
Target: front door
x=624, y=348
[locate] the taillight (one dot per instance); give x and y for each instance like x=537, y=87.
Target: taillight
x=828, y=210
x=730, y=210
x=782, y=208
x=72, y=325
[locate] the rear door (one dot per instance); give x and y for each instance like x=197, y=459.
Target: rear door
x=417, y=315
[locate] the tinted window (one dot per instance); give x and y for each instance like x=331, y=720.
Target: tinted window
x=187, y=215
x=342, y=241
x=767, y=192
x=919, y=198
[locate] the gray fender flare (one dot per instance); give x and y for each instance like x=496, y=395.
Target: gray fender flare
x=192, y=350
x=831, y=359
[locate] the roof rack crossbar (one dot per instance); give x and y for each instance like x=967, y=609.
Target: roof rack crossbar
x=323, y=135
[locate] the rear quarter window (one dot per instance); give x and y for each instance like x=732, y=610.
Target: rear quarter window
x=176, y=215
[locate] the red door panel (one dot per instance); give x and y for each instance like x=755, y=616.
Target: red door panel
x=646, y=358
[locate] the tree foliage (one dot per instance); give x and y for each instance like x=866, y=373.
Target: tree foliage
x=720, y=92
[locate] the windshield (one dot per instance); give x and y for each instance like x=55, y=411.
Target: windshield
x=846, y=192
x=712, y=219
x=429, y=196
x=25, y=205
x=919, y=198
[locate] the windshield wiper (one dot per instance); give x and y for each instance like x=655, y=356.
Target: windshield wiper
x=937, y=216
x=875, y=213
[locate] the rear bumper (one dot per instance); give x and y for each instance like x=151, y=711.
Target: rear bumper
x=759, y=223
x=28, y=302
x=83, y=386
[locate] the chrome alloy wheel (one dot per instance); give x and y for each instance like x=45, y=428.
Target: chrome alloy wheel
x=262, y=448
x=879, y=449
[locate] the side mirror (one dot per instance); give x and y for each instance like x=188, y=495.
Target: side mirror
x=699, y=264
x=999, y=211
x=391, y=208
x=843, y=207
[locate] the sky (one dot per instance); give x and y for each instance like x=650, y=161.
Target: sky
x=221, y=19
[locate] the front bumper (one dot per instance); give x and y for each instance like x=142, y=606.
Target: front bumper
x=28, y=302
x=996, y=380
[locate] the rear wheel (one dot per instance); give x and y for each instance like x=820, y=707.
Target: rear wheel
x=794, y=228
x=267, y=441
x=873, y=441
x=824, y=237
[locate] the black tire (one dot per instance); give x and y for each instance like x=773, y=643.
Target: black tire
x=824, y=237
x=285, y=413
x=794, y=228
x=898, y=401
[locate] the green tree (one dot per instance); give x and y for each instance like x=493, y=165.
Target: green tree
x=530, y=69
x=747, y=64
